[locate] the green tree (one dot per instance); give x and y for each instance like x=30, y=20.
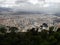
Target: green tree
x=3, y=29
x=51, y=30
x=13, y=29
x=52, y=40
x=58, y=30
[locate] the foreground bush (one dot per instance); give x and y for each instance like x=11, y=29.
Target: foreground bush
x=31, y=37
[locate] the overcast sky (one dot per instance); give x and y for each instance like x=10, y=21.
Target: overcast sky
x=46, y=6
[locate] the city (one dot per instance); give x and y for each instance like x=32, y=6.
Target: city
x=24, y=22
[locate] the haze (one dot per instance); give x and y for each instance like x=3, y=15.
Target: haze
x=41, y=6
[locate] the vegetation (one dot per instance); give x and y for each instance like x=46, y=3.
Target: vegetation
x=31, y=37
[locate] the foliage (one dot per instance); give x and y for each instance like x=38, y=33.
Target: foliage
x=32, y=37
x=2, y=29
x=13, y=29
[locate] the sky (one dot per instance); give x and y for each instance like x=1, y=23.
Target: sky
x=44, y=6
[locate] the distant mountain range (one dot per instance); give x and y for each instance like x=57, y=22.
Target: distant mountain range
x=2, y=9
x=10, y=11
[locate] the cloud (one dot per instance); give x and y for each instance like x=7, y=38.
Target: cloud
x=45, y=6
x=14, y=3
x=7, y=3
x=53, y=1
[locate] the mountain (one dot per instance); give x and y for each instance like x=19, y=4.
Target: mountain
x=2, y=9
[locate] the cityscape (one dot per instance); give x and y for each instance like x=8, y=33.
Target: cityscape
x=29, y=22
x=24, y=22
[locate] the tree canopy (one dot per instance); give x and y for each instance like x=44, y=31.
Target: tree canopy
x=31, y=37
